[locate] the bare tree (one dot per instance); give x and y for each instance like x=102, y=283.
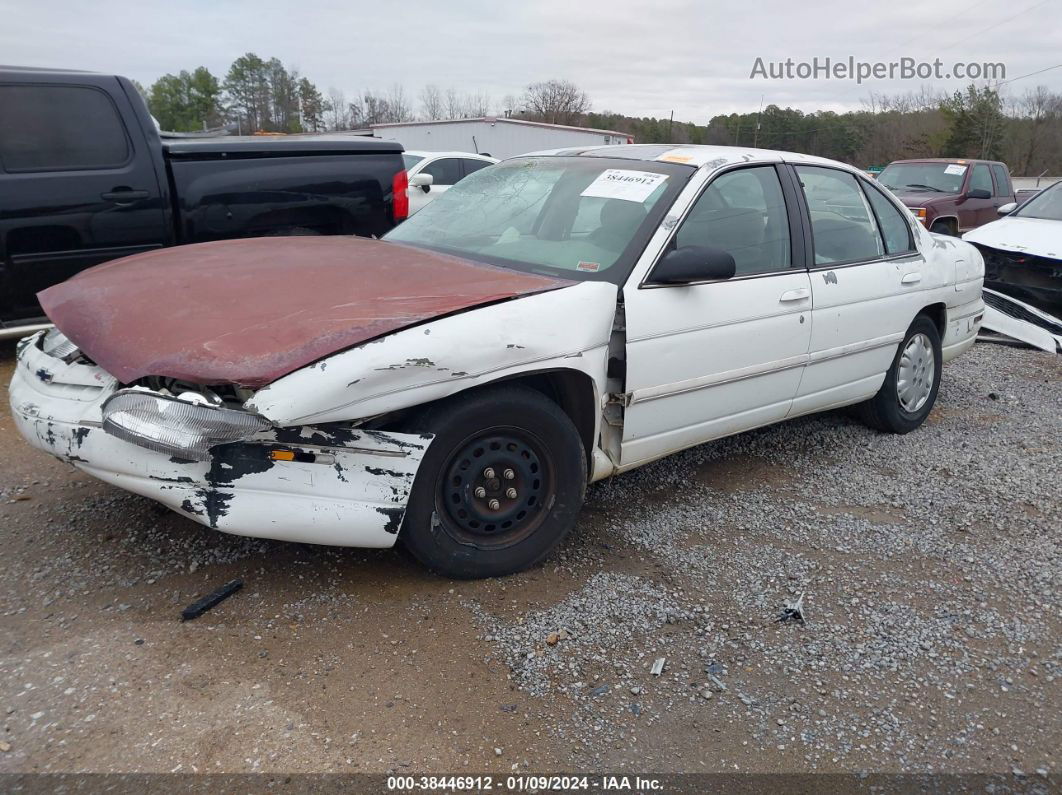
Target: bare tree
x=509, y=105
x=431, y=102
x=454, y=105
x=337, y=115
x=556, y=101
x=398, y=104
x=477, y=105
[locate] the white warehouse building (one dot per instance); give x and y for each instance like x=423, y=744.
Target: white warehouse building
x=497, y=137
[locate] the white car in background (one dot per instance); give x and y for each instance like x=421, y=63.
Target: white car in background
x=433, y=173
x=1023, y=250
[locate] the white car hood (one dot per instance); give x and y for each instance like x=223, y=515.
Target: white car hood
x=1038, y=236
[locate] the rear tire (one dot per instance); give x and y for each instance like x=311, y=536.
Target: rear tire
x=500, y=486
x=911, y=385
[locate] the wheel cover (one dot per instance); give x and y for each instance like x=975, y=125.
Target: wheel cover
x=496, y=487
x=916, y=373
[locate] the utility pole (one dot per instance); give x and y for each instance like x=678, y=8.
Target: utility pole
x=756, y=133
x=670, y=122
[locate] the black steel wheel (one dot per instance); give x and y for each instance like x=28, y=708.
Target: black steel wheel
x=500, y=485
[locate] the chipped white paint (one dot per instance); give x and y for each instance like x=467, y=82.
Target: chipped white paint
x=356, y=499
x=566, y=329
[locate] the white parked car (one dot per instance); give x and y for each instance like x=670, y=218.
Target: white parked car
x=553, y=320
x=431, y=174
x=1023, y=250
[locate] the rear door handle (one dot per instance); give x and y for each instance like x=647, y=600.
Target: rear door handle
x=795, y=295
x=124, y=196
x=911, y=278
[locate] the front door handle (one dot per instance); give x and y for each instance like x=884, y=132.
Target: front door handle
x=799, y=294
x=125, y=196
x=911, y=278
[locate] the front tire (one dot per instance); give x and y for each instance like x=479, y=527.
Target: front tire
x=500, y=486
x=911, y=385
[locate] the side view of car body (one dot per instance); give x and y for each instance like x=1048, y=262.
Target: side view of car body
x=431, y=174
x=553, y=320
x=950, y=196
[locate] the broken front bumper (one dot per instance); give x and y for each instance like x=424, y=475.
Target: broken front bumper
x=349, y=487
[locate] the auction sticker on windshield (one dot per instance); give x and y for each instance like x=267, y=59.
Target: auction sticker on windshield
x=618, y=183
x=955, y=168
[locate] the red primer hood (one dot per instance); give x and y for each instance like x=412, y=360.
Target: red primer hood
x=250, y=311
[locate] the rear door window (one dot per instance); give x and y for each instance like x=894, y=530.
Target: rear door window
x=471, y=166
x=843, y=228
x=60, y=128
x=894, y=229
x=1002, y=180
x=446, y=171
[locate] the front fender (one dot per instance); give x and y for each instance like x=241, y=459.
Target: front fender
x=568, y=328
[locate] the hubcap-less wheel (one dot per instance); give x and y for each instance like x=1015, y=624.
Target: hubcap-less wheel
x=495, y=486
x=916, y=373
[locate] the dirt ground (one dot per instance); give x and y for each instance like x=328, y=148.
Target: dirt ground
x=932, y=641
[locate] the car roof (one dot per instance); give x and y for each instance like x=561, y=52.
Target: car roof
x=422, y=153
x=964, y=161
x=694, y=155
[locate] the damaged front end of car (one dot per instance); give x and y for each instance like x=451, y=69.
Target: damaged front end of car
x=198, y=450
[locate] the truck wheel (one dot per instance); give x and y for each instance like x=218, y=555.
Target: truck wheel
x=911, y=385
x=499, y=487
x=942, y=228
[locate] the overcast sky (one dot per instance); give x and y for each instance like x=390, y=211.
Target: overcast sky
x=639, y=58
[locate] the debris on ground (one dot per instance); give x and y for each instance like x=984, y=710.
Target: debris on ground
x=658, y=666
x=199, y=607
x=793, y=611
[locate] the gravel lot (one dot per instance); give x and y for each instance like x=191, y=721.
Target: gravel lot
x=929, y=567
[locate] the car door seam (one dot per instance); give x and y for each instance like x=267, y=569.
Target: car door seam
x=709, y=326
x=715, y=379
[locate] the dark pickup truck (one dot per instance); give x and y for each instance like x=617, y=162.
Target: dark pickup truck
x=950, y=196
x=85, y=177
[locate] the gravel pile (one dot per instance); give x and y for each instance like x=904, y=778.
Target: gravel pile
x=569, y=645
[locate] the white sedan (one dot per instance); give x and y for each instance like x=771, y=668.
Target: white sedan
x=553, y=320
x=431, y=174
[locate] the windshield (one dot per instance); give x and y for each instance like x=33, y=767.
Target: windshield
x=924, y=177
x=574, y=217
x=1045, y=204
x=411, y=160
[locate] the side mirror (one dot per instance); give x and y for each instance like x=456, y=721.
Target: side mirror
x=422, y=181
x=978, y=193
x=693, y=264
x=1008, y=208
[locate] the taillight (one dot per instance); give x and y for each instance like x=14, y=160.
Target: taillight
x=399, y=186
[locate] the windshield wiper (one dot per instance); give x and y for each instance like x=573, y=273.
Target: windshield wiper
x=923, y=187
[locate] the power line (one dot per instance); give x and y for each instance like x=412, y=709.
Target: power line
x=994, y=25
x=1022, y=77
x=898, y=47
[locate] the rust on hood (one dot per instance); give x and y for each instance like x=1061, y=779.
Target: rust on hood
x=250, y=311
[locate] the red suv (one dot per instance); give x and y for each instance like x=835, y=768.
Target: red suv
x=950, y=196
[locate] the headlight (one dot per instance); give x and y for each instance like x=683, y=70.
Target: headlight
x=56, y=344
x=177, y=427
x=919, y=213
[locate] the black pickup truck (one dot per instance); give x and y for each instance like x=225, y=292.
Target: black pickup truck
x=85, y=177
